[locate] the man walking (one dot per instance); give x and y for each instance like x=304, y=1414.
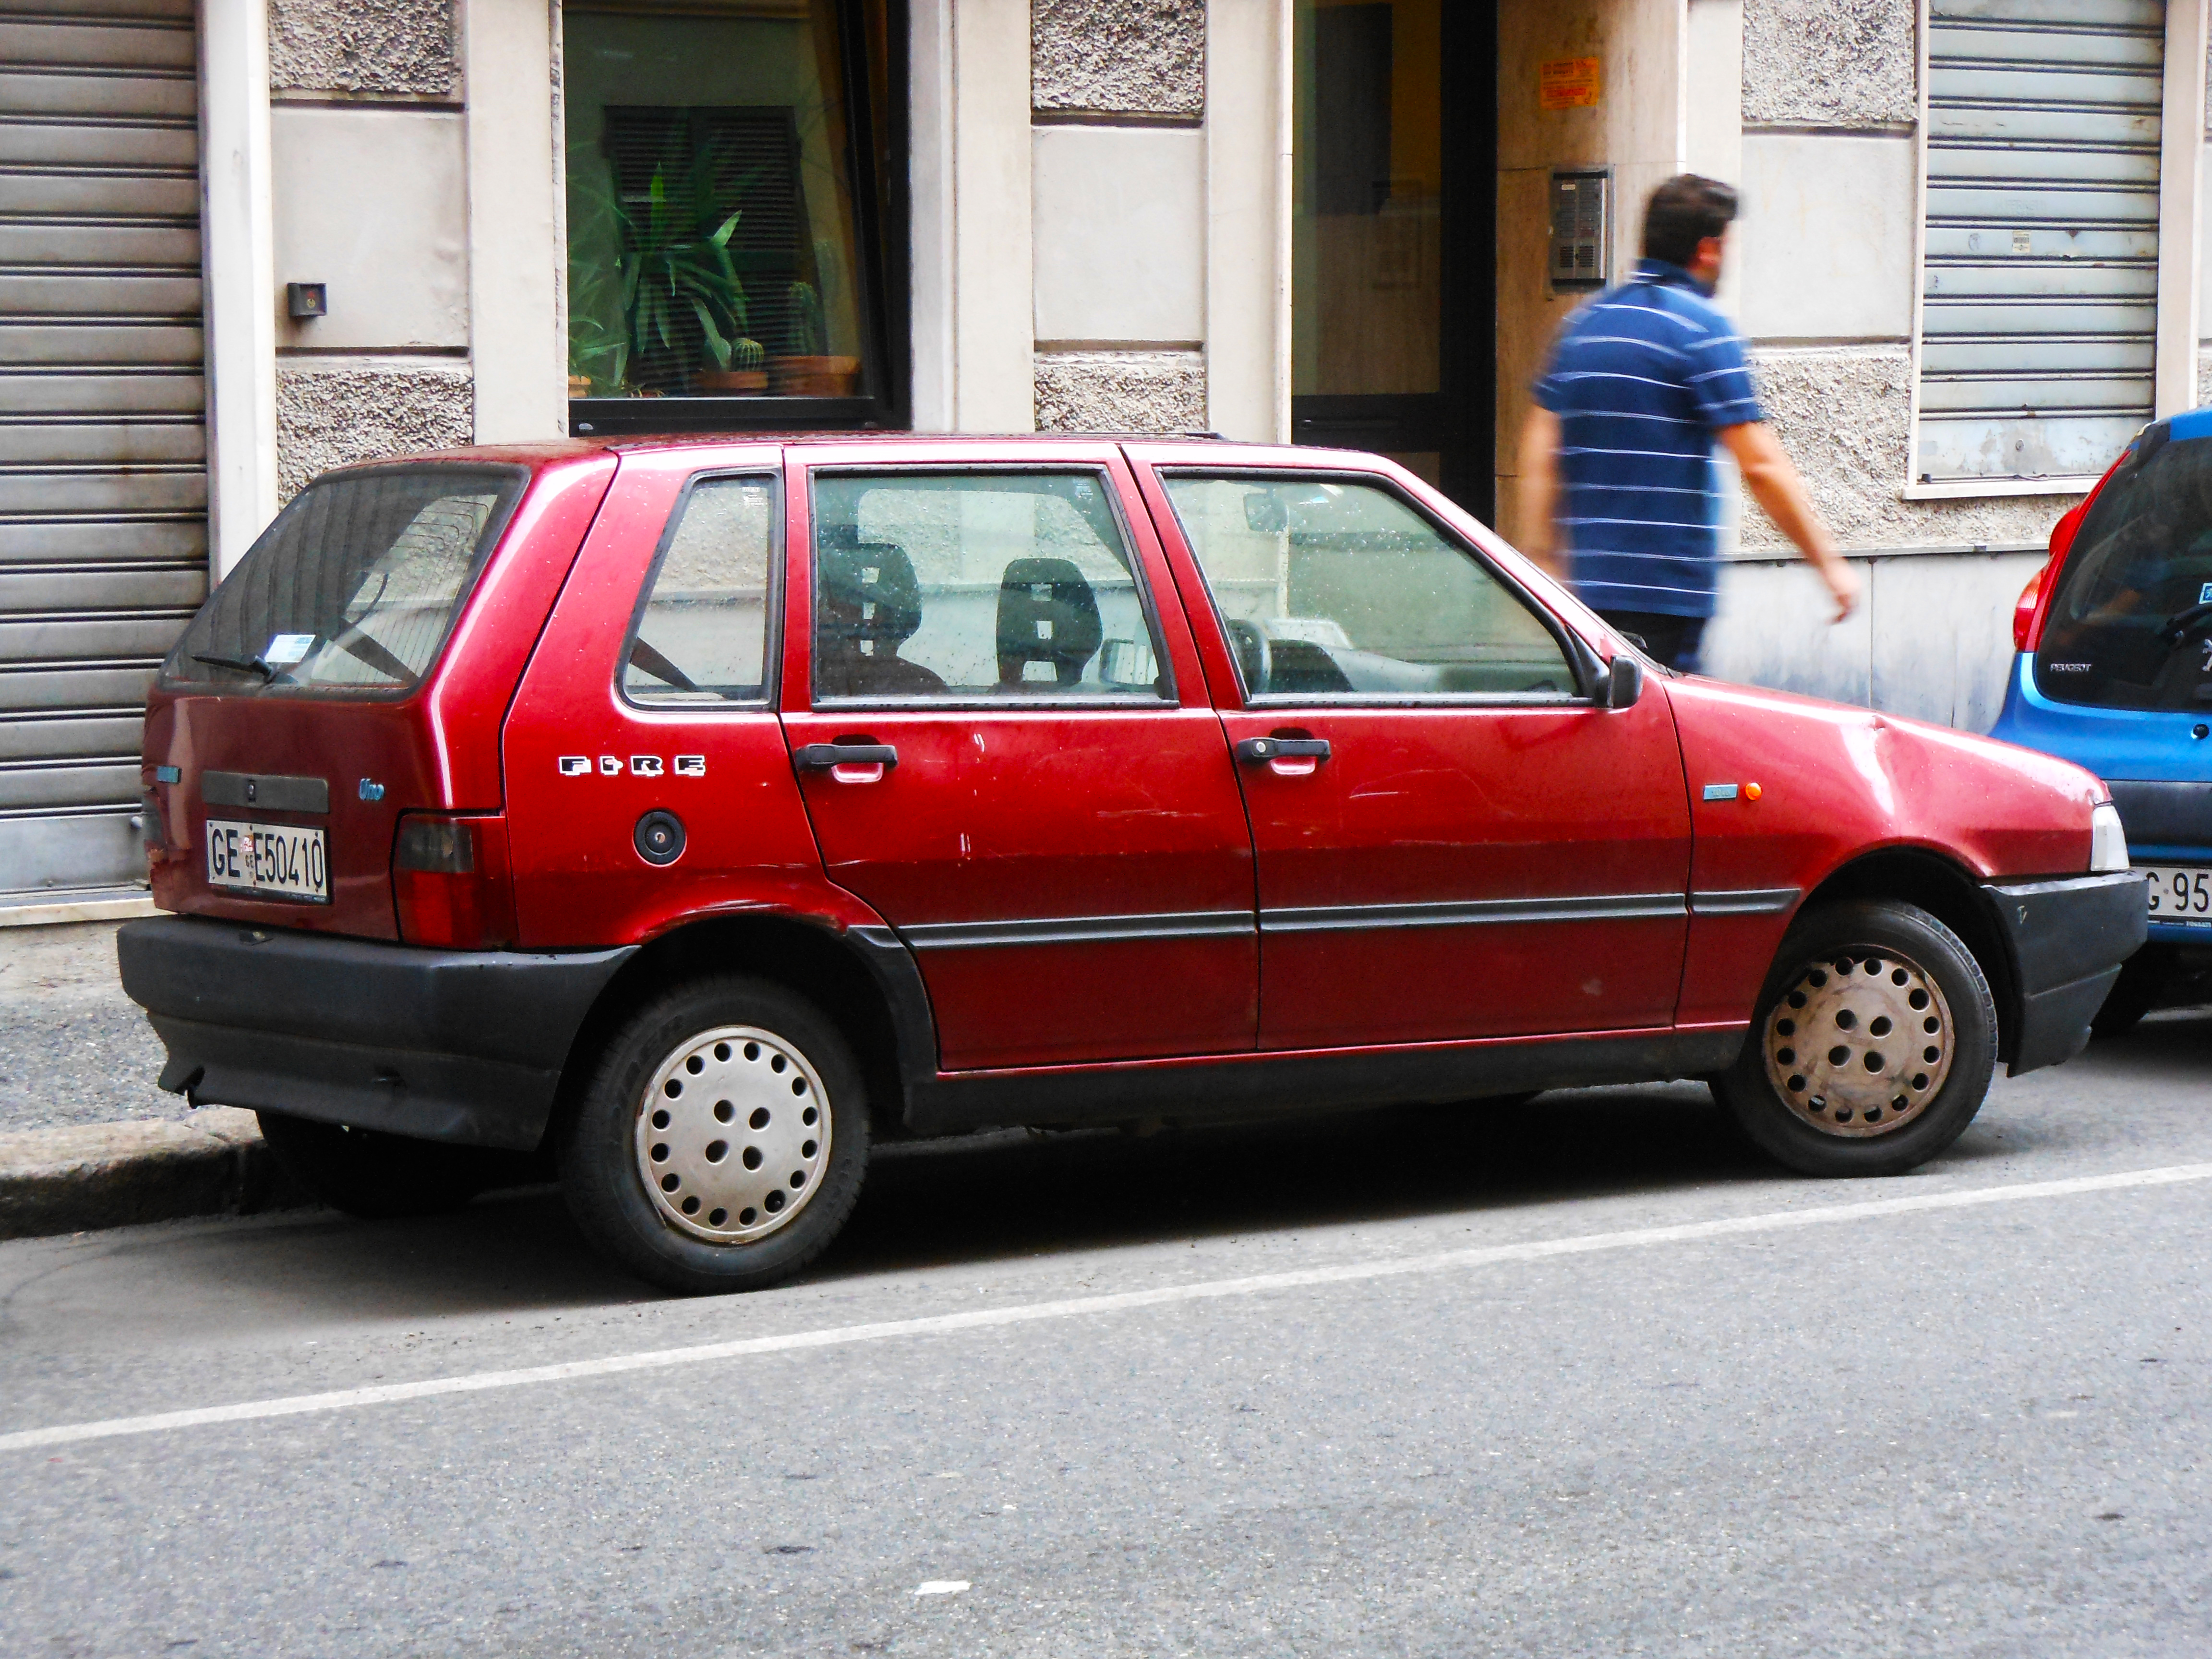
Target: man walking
x=1617, y=459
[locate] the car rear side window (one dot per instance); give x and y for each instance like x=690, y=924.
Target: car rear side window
x=1332, y=588
x=2130, y=624
x=702, y=635
x=355, y=586
x=937, y=586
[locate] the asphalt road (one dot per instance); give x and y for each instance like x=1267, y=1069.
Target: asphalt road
x=1422, y=1383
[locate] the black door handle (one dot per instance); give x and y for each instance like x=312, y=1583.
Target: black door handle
x=1256, y=749
x=821, y=756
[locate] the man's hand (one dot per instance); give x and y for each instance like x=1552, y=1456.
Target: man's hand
x=1537, y=534
x=1774, y=484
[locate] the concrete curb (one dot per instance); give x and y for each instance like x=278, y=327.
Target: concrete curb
x=116, y=1175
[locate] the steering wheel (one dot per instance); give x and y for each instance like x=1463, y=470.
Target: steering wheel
x=1254, y=661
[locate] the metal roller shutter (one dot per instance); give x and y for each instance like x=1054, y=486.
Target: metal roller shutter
x=103, y=476
x=2040, y=286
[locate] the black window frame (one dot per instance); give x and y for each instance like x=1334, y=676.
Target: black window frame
x=1580, y=660
x=882, y=213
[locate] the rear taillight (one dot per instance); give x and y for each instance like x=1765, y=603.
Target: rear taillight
x=450, y=881
x=2027, y=612
x=2034, y=602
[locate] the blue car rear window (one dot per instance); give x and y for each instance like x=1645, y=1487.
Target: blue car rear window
x=2130, y=624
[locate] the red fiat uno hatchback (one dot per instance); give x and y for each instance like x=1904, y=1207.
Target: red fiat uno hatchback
x=695, y=812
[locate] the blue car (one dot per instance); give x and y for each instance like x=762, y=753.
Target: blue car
x=2114, y=673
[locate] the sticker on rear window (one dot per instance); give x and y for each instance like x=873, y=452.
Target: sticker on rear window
x=285, y=649
x=2204, y=594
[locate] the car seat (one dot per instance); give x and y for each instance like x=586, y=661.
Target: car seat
x=870, y=604
x=1047, y=613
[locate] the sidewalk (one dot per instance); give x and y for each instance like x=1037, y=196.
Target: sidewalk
x=86, y=1139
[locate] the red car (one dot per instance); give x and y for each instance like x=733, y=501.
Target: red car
x=694, y=811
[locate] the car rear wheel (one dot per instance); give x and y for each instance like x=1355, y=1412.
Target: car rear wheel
x=1873, y=1044
x=720, y=1141
x=375, y=1175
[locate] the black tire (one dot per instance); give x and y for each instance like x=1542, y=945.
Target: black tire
x=1777, y=1113
x=377, y=1176
x=2139, y=988
x=605, y=1152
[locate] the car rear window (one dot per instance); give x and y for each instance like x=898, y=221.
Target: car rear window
x=354, y=586
x=2130, y=624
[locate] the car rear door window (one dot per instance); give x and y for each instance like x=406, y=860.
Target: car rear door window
x=1335, y=588
x=957, y=587
x=2129, y=624
x=700, y=637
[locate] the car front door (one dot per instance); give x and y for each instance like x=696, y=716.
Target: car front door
x=1006, y=748
x=1455, y=840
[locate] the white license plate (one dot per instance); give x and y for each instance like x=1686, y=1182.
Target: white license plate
x=274, y=860
x=2181, y=893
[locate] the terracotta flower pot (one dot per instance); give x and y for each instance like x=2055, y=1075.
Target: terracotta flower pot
x=815, y=377
x=579, y=386
x=732, y=382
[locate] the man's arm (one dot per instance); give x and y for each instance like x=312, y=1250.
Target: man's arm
x=1774, y=484
x=1539, y=492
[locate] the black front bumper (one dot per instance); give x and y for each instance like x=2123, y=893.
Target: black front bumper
x=462, y=1046
x=2066, y=940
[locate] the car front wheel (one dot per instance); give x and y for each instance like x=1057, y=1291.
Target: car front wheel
x=1873, y=1045
x=720, y=1141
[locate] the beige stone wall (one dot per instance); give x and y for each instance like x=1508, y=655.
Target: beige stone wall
x=1119, y=214
x=1121, y=392
x=388, y=47
x=1830, y=62
x=1843, y=414
x=371, y=199
x=328, y=414
x=1126, y=57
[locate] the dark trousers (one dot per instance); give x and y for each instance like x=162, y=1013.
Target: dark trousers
x=1673, y=640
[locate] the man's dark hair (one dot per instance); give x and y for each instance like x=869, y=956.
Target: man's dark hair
x=1682, y=213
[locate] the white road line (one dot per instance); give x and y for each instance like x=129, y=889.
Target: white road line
x=338, y=1400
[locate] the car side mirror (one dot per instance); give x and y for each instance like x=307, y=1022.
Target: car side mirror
x=1623, y=682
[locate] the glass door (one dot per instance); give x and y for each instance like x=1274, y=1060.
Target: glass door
x=1393, y=210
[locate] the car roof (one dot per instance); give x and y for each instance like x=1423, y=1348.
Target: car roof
x=541, y=452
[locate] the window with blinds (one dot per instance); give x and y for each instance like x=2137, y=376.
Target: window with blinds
x=2039, y=280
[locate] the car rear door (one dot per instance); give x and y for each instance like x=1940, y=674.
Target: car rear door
x=1453, y=840
x=1006, y=747
x=647, y=777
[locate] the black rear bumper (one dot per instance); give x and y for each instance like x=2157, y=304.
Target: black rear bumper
x=2066, y=940
x=461, y=1046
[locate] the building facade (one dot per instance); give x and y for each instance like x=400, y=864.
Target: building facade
x=256, y=239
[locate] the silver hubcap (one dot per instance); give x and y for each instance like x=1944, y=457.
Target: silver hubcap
x=1860, y=1044
x=732, y=1135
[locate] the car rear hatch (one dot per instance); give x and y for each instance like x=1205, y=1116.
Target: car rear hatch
x=339, y=695
x=2122, y=660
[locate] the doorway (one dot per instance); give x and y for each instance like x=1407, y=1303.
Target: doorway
x=1394, y=220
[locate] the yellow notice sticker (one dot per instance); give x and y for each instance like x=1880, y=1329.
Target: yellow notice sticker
x=1568, y=82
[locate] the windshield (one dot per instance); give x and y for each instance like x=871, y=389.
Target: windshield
x=354, y=587
x=2130, y=625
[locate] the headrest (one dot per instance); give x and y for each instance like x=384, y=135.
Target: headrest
x=868, y=588
x=1047, y=613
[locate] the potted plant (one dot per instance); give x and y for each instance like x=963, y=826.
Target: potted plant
x=810, y=371
x=742, y=372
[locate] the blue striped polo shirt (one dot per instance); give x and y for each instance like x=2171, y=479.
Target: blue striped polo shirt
x=1642, y=378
